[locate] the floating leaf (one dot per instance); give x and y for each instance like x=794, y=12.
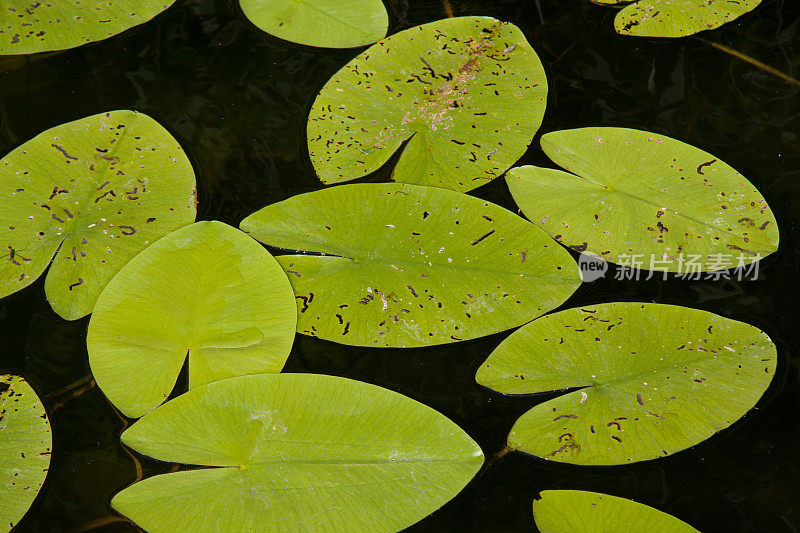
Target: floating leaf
x=206, y=289
x=410, y=265
x=27, y=26
x=296, y=451
x=467, y=93
x=578, y=511
x=640, y=196
x=653, y=380
x=25, y=442
x=92, y=193
x=671, y=18
x=325, y=23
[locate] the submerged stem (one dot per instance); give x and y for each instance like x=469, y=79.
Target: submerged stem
x=498, y=455
x=756, y=63
x=447, y=9
x=98, y=523
x=75, y=390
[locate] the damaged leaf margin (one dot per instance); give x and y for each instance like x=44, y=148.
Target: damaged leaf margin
x=419, y=266
x=89, y=195
x=25, y=446
x=647, y=380
x=463, y=97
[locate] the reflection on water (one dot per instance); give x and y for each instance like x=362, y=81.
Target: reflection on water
x=237, y=100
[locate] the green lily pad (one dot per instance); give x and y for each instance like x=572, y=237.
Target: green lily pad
x=28, y=27
x=670, y=18
x=206, y=290
x=289, y=452
x=639, y=196
x=88, y=196
x=25, y=442
x=411, y=266
x=467, y=94
x=324, y=23
x=578, y=511
x=652, y=380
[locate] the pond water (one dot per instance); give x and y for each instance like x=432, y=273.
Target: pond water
x=237, y=100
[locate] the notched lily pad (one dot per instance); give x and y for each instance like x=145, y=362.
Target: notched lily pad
x=25, y=444
x=416, y=266
x=28, y=26
x=324, y=23
x=638, y=197
x=467, y=94
x=578, y=511
x=652, y=380
x=296, y=451
x=670, y=18
x=206, y=290
x=89, y=195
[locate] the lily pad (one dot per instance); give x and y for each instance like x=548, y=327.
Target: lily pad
x=324, y=23
x=27, y=27
x=25, y=442
x=465, y=94
x=296, y=451
x=639, y=196
x=88, y=196
x=207, y=292
x=407, y=266
x=651, y=380
x=671, y=18
x=578, y=511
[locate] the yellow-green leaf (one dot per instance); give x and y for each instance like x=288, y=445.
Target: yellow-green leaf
x=578, y=511
x=324, y=23
x=88, y=196
x=634, y=196
x=291, y=452
x=412, y=266
x=652, y=380
x=25, y=442
x=467, y=94
x=678, y=18
x=29, y=26
x=206, y=290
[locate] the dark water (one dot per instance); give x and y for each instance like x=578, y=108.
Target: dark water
x=237, y=100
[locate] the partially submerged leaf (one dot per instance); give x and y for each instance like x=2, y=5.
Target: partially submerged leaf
x=467, y=93
x=27, y=27
x=636, y=193
x=678, y=18
x=93, y=193
x=325, y=23
x=25, y=442
x=410, y=265
x=206, y=289
x=578, y=511
x=295, y=452
x=652, y=380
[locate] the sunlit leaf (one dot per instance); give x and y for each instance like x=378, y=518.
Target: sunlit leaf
x=652, y=380
x=325, y=23
x=578, y=511
x=290, y=452
x=25, y=442
x=411, y=265
x=28, y=26
x=89, y=195
x=467, y=93
x=678, y=18
x=207, y=290
x=639, y=196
